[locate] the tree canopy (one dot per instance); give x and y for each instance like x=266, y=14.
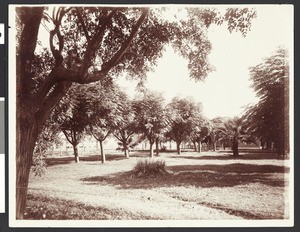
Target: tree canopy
x=183, y=112
x=151, y=116
x=268, y=119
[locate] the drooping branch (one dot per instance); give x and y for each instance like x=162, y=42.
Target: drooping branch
x=115, y=59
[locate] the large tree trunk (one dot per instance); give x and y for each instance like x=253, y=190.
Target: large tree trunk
x=103, y=158
x=27, y=128
x=76, y=155
x=25, y=147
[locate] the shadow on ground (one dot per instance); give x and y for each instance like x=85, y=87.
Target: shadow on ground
x=67, y=160
x=227, y=155
x=204, y=176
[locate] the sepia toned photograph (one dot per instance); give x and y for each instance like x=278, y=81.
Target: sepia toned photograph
x=151, y=115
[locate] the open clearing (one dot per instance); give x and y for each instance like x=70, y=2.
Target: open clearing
x=210, y=185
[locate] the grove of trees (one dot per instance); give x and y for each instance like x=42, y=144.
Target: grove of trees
x=98, y=44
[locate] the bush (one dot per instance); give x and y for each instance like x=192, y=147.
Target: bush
x=150, y=167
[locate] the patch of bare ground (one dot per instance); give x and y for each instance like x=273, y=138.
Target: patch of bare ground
x=210, y=185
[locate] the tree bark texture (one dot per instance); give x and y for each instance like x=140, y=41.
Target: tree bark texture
x=27, y=128
x=25, y=147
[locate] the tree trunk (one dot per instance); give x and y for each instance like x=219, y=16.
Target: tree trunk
x=214, y=146
x=269, y=144
x=235, y=146
x=195, y=146
x=178, y=148
x=151, y=150
x=75, y=149
x=103, y=158
x=126, y=150
x=27, y=128
x=157, y=146
x=25, y=148
x=199, y=146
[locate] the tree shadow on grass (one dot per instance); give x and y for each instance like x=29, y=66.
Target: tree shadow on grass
x=205, y=176
x=228, y=156
x=91, y=158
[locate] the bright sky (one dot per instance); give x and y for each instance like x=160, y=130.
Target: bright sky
x=227, y=90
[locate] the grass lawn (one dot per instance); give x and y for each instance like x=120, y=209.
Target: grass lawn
x=210, y=185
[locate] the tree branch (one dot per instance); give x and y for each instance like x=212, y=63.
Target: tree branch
x=95, y=42
x=67, y=136
x=83, y=24
x=118, y=137
x=46, y=105
x=115, y=59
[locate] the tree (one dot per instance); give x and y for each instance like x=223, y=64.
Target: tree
x=74, y=124
x=90, y=44
x=201, y=129
x=124, y=127
x=268, y=120
x=104, y=104
x=227, y=131
x=183, y=111
x=151, y=117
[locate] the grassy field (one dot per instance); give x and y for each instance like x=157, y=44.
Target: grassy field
x=210, y=185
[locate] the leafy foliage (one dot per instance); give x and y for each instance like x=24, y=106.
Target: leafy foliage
x=183, y=112
x=268, y=119
x=201, y=129
x=124, y=126
x=151, y=117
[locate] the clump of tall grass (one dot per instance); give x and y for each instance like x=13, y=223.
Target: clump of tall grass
x=150, y=167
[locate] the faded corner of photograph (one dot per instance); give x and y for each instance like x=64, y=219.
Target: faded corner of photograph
x=166, y=112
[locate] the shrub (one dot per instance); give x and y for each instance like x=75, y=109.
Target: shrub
x=150, y=167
